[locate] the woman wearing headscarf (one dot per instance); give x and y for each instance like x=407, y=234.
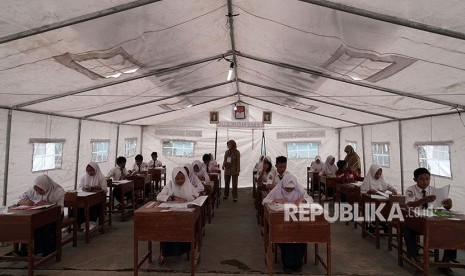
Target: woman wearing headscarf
x=92, y=181
x=232, y=168
x=179, y=189
x=374, y=181
x=352, y=159
x=329, y=167
x=289, y=190
x=200, y=171
x=317, y=165
x=194, y=180
x=43, y=192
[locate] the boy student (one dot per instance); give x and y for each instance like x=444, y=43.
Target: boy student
x=139, y=166
x=418, y=196
x=276, y=175
x=119, y=173
x=154, y=162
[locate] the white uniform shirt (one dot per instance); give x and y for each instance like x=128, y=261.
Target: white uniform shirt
x=142, y=168
x=117, y=173
x=154, y=164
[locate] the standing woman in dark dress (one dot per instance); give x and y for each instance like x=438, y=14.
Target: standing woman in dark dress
x=232, y=168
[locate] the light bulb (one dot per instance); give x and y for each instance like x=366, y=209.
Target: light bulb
x=231, y=71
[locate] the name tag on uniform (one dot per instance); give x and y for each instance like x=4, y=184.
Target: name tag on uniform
x=228, y=159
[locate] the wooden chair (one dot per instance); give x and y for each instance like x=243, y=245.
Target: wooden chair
x=139, y=189
x=70, y=220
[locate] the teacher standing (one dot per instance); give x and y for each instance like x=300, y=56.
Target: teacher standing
x=231, y=167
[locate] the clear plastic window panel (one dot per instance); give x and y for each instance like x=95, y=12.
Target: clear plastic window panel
x=302, y=150
x=47, y=156
x=381, y=154
x=436, y=158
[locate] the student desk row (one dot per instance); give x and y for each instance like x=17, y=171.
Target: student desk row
x=443, y=231
x=216, y=178
x=210, y=191
x=152, y=223
x=277, y=230
x=18, y=226
x=313, y=182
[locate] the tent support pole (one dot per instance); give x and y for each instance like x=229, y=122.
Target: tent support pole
x=117, y=141
x=338, y=144
x=401, y=156
x=363, y=151
x=141, y=138
x=216, y=141
x=77, y=154
x=7, y=156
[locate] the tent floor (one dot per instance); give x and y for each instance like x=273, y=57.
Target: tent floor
x=232, y=245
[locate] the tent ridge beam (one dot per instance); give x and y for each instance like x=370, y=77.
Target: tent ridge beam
x=233, y=44
x=365, y=85
x=185, y=93
x=387, y=18
x=153, y=115
x=310, y=112
x=76, y=20
x=144, y=75
x=316, y=100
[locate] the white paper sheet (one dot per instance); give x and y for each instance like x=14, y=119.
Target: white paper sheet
x=82, y=193
x=441, y=194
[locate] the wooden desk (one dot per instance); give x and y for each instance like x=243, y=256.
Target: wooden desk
x=313, y=181
x=276, y=230
x=19, y=227
x=327, y=186
x=438, y=233
x=126, y=186
x=351, y=192
x=367, y=199
x=210, y=192
x=153, y=224
x=216, y=178
x=158, y=175
x=88, y=199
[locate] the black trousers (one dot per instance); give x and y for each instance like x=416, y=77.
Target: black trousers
x=292, y=254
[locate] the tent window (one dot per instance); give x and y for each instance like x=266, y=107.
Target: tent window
x=380, y=154
x=178, y=148
x=436, y=158
x=130, y=145
x=100, y=151
x=302, y=150
x=47, y=156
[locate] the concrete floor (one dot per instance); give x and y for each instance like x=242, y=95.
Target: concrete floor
x=232, y=245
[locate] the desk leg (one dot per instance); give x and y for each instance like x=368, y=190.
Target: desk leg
x=86, y=210
x=30, y=255
x=58, y=240
x=316, y=254
x=425, y=254
x=149, y=248
x=136, y=257
x=328, y=258
x=270, y=258
x=110, y=209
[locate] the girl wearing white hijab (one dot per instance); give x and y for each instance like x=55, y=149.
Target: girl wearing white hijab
x=200, y=171
x=44, y=191
x=179, y=189
x=93, y=180
x=374, y=181
x=317, y=165
x=329, y=167
x=288, y=190
x=195, y=181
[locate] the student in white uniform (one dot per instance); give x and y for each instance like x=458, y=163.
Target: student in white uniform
x=179, y=189
x=374, y=181
x=418, y=196
x=92, y=181
x=194, y=180
x=264, y=172
x=154, y=163
x=119, y=172
x=43, y=192
x=139, y=165
x=200, y=171
x=329, y=168
x=276, y=175
x=289, y=190
x=317, y=165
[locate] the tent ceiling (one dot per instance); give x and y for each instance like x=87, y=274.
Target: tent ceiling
x=292, y=57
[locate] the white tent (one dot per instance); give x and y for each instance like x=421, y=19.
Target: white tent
x=376, y=74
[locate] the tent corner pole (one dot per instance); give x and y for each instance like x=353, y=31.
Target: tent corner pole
x=363, y=151
x=117, y=141
x=401, y=157
x=77, y=154
x=216, y=141
x=7, y=156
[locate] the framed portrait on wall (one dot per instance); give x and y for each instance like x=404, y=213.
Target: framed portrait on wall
x=214, y=118
x=266, y=117
x=239, y=112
